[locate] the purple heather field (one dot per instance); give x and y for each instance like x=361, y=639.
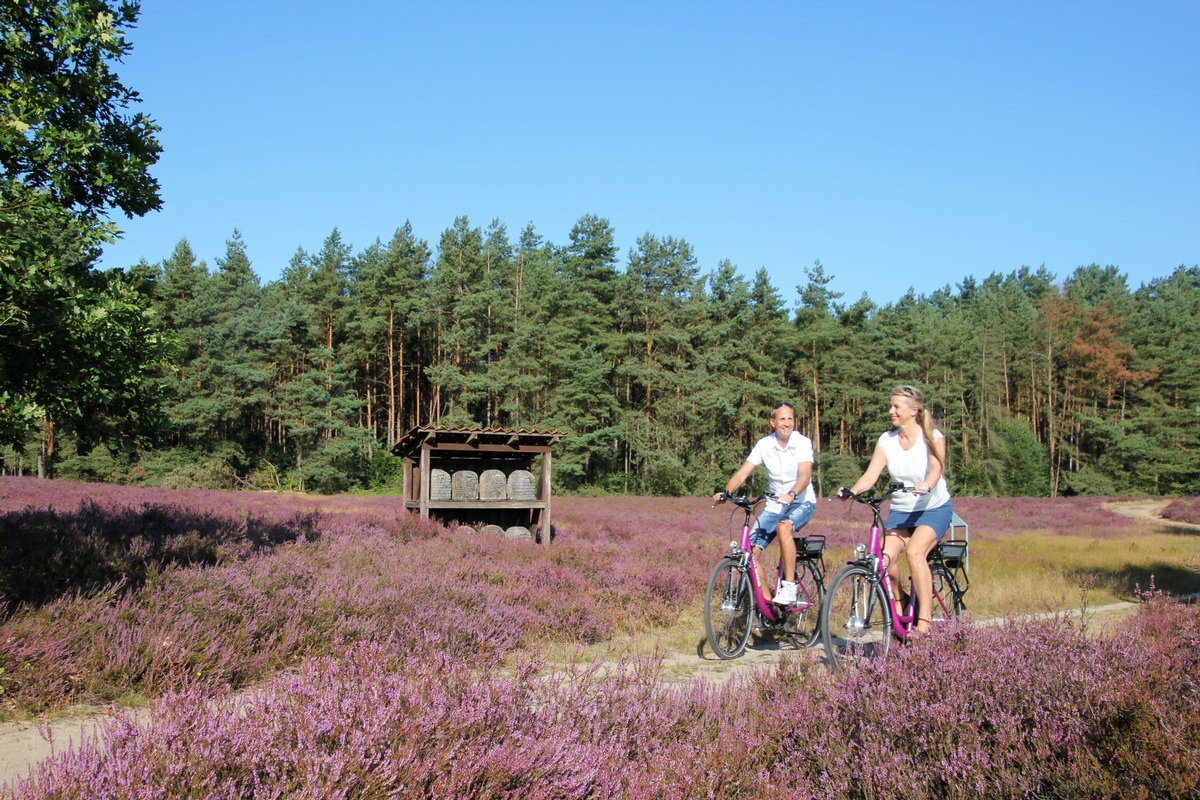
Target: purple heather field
x=311, y=647
x=1185, y=509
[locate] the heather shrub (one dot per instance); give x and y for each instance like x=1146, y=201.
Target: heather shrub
x=162, y=597
x=236, y=624
x=126, y=591
x=1064, y=516
x=379, y=722
x=1028, y=709
x=47, y=553
x=207, y=592
x=1185, y=509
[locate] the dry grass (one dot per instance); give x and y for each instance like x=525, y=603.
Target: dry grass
x=1034, y=572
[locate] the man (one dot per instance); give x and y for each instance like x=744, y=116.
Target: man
x=788, y=457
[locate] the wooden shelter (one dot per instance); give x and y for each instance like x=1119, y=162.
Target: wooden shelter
x=480, y=476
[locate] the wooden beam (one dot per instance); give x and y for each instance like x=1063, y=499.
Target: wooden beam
x=424, y=499
x=481, y=505
x=461, y=447
x=544, y=496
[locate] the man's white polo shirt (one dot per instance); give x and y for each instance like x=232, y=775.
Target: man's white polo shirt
x=783, y=465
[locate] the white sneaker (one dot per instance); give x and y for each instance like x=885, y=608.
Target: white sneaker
x=787, y=593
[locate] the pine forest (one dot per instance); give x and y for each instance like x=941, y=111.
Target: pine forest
x=660, y=371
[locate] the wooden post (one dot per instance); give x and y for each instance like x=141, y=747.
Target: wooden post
x=544, y=495
x=425, y=470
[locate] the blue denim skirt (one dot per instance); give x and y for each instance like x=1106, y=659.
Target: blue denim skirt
x=936, y=518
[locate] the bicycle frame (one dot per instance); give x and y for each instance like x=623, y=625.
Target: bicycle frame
x=871, y=556
x=735, y=597
x=744, y=552
x=901, y=622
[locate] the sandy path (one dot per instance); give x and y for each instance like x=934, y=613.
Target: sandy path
x=24, y=744
x=1149, y=510
x=762, y=654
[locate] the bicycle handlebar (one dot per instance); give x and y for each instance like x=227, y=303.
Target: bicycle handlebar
x=742, y=501
x=874, y=502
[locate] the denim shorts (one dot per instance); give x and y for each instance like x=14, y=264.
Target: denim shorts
x=936, y=518
x=798, y=513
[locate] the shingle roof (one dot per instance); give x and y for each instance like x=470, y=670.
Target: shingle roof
x=514, y=437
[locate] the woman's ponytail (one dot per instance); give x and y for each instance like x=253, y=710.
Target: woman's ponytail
x=927, y=428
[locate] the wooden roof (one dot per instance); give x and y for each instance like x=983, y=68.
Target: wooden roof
x=516, y=438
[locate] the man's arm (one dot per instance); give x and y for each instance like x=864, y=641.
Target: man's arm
x=803, y=477
x=737, y=480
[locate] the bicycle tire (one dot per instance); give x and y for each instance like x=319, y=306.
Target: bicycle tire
x=856, y=623
x=728, y=609
x=803, y=619
x=945, y=588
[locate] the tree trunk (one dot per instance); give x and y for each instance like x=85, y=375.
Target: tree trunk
x=816, y=431
x=1051, y=432
x=392, y=435
x=371, y=426
x=299, y=467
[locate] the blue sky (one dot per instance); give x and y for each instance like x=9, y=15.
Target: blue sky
x=901, y=144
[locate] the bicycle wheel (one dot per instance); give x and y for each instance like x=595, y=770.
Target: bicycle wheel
x=728, y=609
x=947, y=603
x=800, y=626
x=855, y=620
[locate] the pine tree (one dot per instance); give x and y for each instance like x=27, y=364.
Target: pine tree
x=817, y=334
x=659, y=286
x=1166, y=411
x=229, y=378
x=389, y=294
x=457, y=322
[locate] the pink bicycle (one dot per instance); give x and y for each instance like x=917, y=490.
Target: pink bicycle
x=735, y=596
x=861, y=613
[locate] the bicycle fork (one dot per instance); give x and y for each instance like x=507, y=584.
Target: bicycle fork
x=860, y=607
x=734, y=582
x=730, y=602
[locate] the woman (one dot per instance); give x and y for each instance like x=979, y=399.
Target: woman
x=914, y=453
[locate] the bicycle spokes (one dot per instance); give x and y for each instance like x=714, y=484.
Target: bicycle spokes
x=728, y=609
x=855, y=622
